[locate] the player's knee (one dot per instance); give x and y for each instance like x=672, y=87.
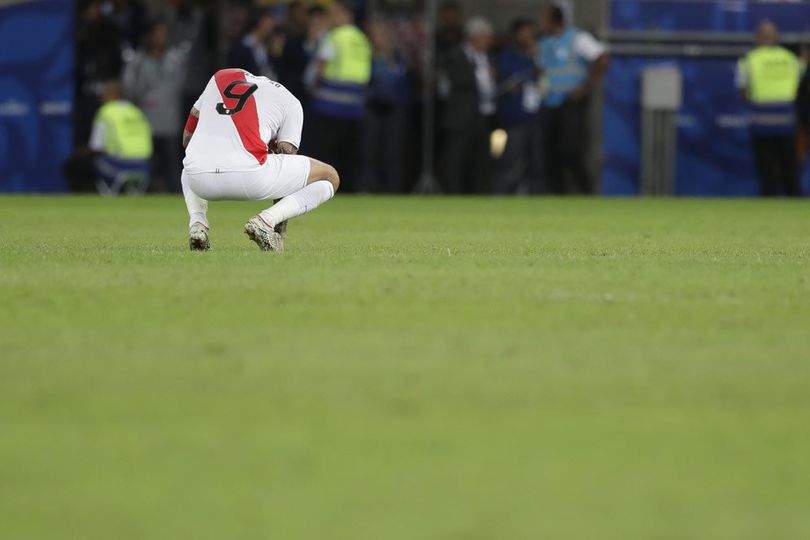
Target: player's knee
x=321, y=171
x=333, y=177
x=330, y=174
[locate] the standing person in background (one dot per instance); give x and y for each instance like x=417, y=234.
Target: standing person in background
x=574, y=63
x=768, y=79
x=198, y=31
x=129, y=16
x=467, y=89
x=450, y=27
x=294, y=58
x=184, y=19
x=317, y=29
x=449, y=36
x=153, y=81
x=339, y=82
x=251, y=51
x=385, y=122
x=318, y=26
x=520, y=167
x=98, y=58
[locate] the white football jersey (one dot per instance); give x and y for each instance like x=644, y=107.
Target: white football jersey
x=240, y=114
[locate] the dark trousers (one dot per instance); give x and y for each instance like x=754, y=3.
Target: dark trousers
x=777, y=165
x=339, y=142
x=465, y=161
x=382, y=157
x=520, y=167
x=566, y=143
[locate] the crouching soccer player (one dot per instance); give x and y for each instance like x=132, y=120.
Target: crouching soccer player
x=241, y=139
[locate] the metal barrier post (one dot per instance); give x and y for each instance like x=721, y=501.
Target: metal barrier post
x=661, y=97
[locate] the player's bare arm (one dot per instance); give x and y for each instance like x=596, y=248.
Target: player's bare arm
x=191, y=125
x=287, y=148
x=283, y=147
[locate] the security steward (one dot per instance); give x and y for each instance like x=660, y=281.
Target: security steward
x=339, y=84
x=574, y=63
x=768, y=79
x=118, y=153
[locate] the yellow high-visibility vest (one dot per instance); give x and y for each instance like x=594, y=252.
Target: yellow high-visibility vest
x=127, y=134
x=773, y=75
x=352, y=59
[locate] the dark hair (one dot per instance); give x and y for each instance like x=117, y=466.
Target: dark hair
x=519, y=24
x=256, y=16
x=450, y=4
x=556, y=14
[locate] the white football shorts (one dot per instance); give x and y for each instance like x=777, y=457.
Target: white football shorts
x=279, y=176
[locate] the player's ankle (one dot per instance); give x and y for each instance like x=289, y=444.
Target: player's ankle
x=268, y=222
x=198, y=218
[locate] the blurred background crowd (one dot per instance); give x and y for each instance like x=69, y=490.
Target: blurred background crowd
x=496, y=129
x=429, y=96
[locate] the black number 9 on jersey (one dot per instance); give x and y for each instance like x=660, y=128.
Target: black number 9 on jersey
x=242, y=97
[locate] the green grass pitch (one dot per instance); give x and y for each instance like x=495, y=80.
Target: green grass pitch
x=411, y=369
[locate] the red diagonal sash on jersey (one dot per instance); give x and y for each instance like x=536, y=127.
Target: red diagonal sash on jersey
x=247, y=119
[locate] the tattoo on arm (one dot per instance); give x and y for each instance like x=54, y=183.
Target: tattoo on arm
x=287, y=148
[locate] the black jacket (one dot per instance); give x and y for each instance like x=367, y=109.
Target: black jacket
x=241, y=56
x=460, y=109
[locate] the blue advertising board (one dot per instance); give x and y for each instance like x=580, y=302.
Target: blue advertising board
x=36, y=93
x=706, y=16
x=714, y=154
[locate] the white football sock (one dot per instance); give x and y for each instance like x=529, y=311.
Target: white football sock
x=198, y=217
x=300, y=202
x=197, y=207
